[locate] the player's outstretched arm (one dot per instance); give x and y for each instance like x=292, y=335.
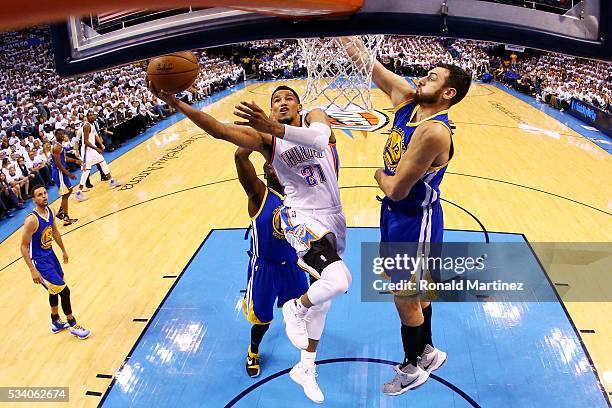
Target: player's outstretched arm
x=389, y=82
x=238, y=135
x=252, y=185
x=392, y=84
x=316, y=136
x=428, y=142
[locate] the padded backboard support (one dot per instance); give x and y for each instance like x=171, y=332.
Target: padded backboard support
x=19, y=13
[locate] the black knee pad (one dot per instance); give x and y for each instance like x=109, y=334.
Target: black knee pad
x=53, y=300
x=322, y=254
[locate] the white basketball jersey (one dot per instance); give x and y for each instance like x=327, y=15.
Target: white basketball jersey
x=310, y=178
x=92, y=135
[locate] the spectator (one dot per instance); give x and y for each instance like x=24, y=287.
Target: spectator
x=33, y=177
x=8, y=197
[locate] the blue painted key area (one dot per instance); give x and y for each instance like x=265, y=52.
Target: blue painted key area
x=193, y=351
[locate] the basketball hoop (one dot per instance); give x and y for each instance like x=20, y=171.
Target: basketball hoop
x=335, y=81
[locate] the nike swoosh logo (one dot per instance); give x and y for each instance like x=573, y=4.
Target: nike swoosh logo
x=428, y=365
x=407, y=385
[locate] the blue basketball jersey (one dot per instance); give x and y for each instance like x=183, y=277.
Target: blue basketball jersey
x=426, y=190
x=267, y=240
x=62, y=159
x=40, y=246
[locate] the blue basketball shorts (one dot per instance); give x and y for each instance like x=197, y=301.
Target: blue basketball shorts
x=51, y=271
x=269, y=282
x=411, y=231
x=62, y=181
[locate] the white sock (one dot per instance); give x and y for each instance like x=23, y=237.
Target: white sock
x=308, y=358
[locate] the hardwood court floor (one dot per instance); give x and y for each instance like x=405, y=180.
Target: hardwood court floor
x=515, y=169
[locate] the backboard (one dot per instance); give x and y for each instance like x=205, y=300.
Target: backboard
x=80, y=45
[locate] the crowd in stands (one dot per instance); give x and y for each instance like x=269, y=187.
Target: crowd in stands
x=414, y=56
x=552, y=78
x=556, y=79
x=34, y=101
x=10, y=37
x=272, y=59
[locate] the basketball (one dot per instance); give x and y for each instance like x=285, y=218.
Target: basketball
x=173, y=73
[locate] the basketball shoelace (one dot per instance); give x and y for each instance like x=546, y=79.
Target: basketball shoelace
x=311, y=375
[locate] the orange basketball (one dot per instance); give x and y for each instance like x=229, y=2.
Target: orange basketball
x=173, y=73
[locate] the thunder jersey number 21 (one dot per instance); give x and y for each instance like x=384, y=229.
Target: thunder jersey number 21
x=313, y=174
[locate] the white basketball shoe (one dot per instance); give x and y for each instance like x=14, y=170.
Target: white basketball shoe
x=306, y=376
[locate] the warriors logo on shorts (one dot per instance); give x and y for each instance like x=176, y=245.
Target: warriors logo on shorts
x=277, y=230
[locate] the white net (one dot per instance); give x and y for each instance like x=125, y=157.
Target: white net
x=335, y=80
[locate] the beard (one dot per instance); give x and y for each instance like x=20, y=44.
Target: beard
x=421, y=98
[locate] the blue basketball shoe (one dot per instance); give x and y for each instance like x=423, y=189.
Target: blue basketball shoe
x=57, y=326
